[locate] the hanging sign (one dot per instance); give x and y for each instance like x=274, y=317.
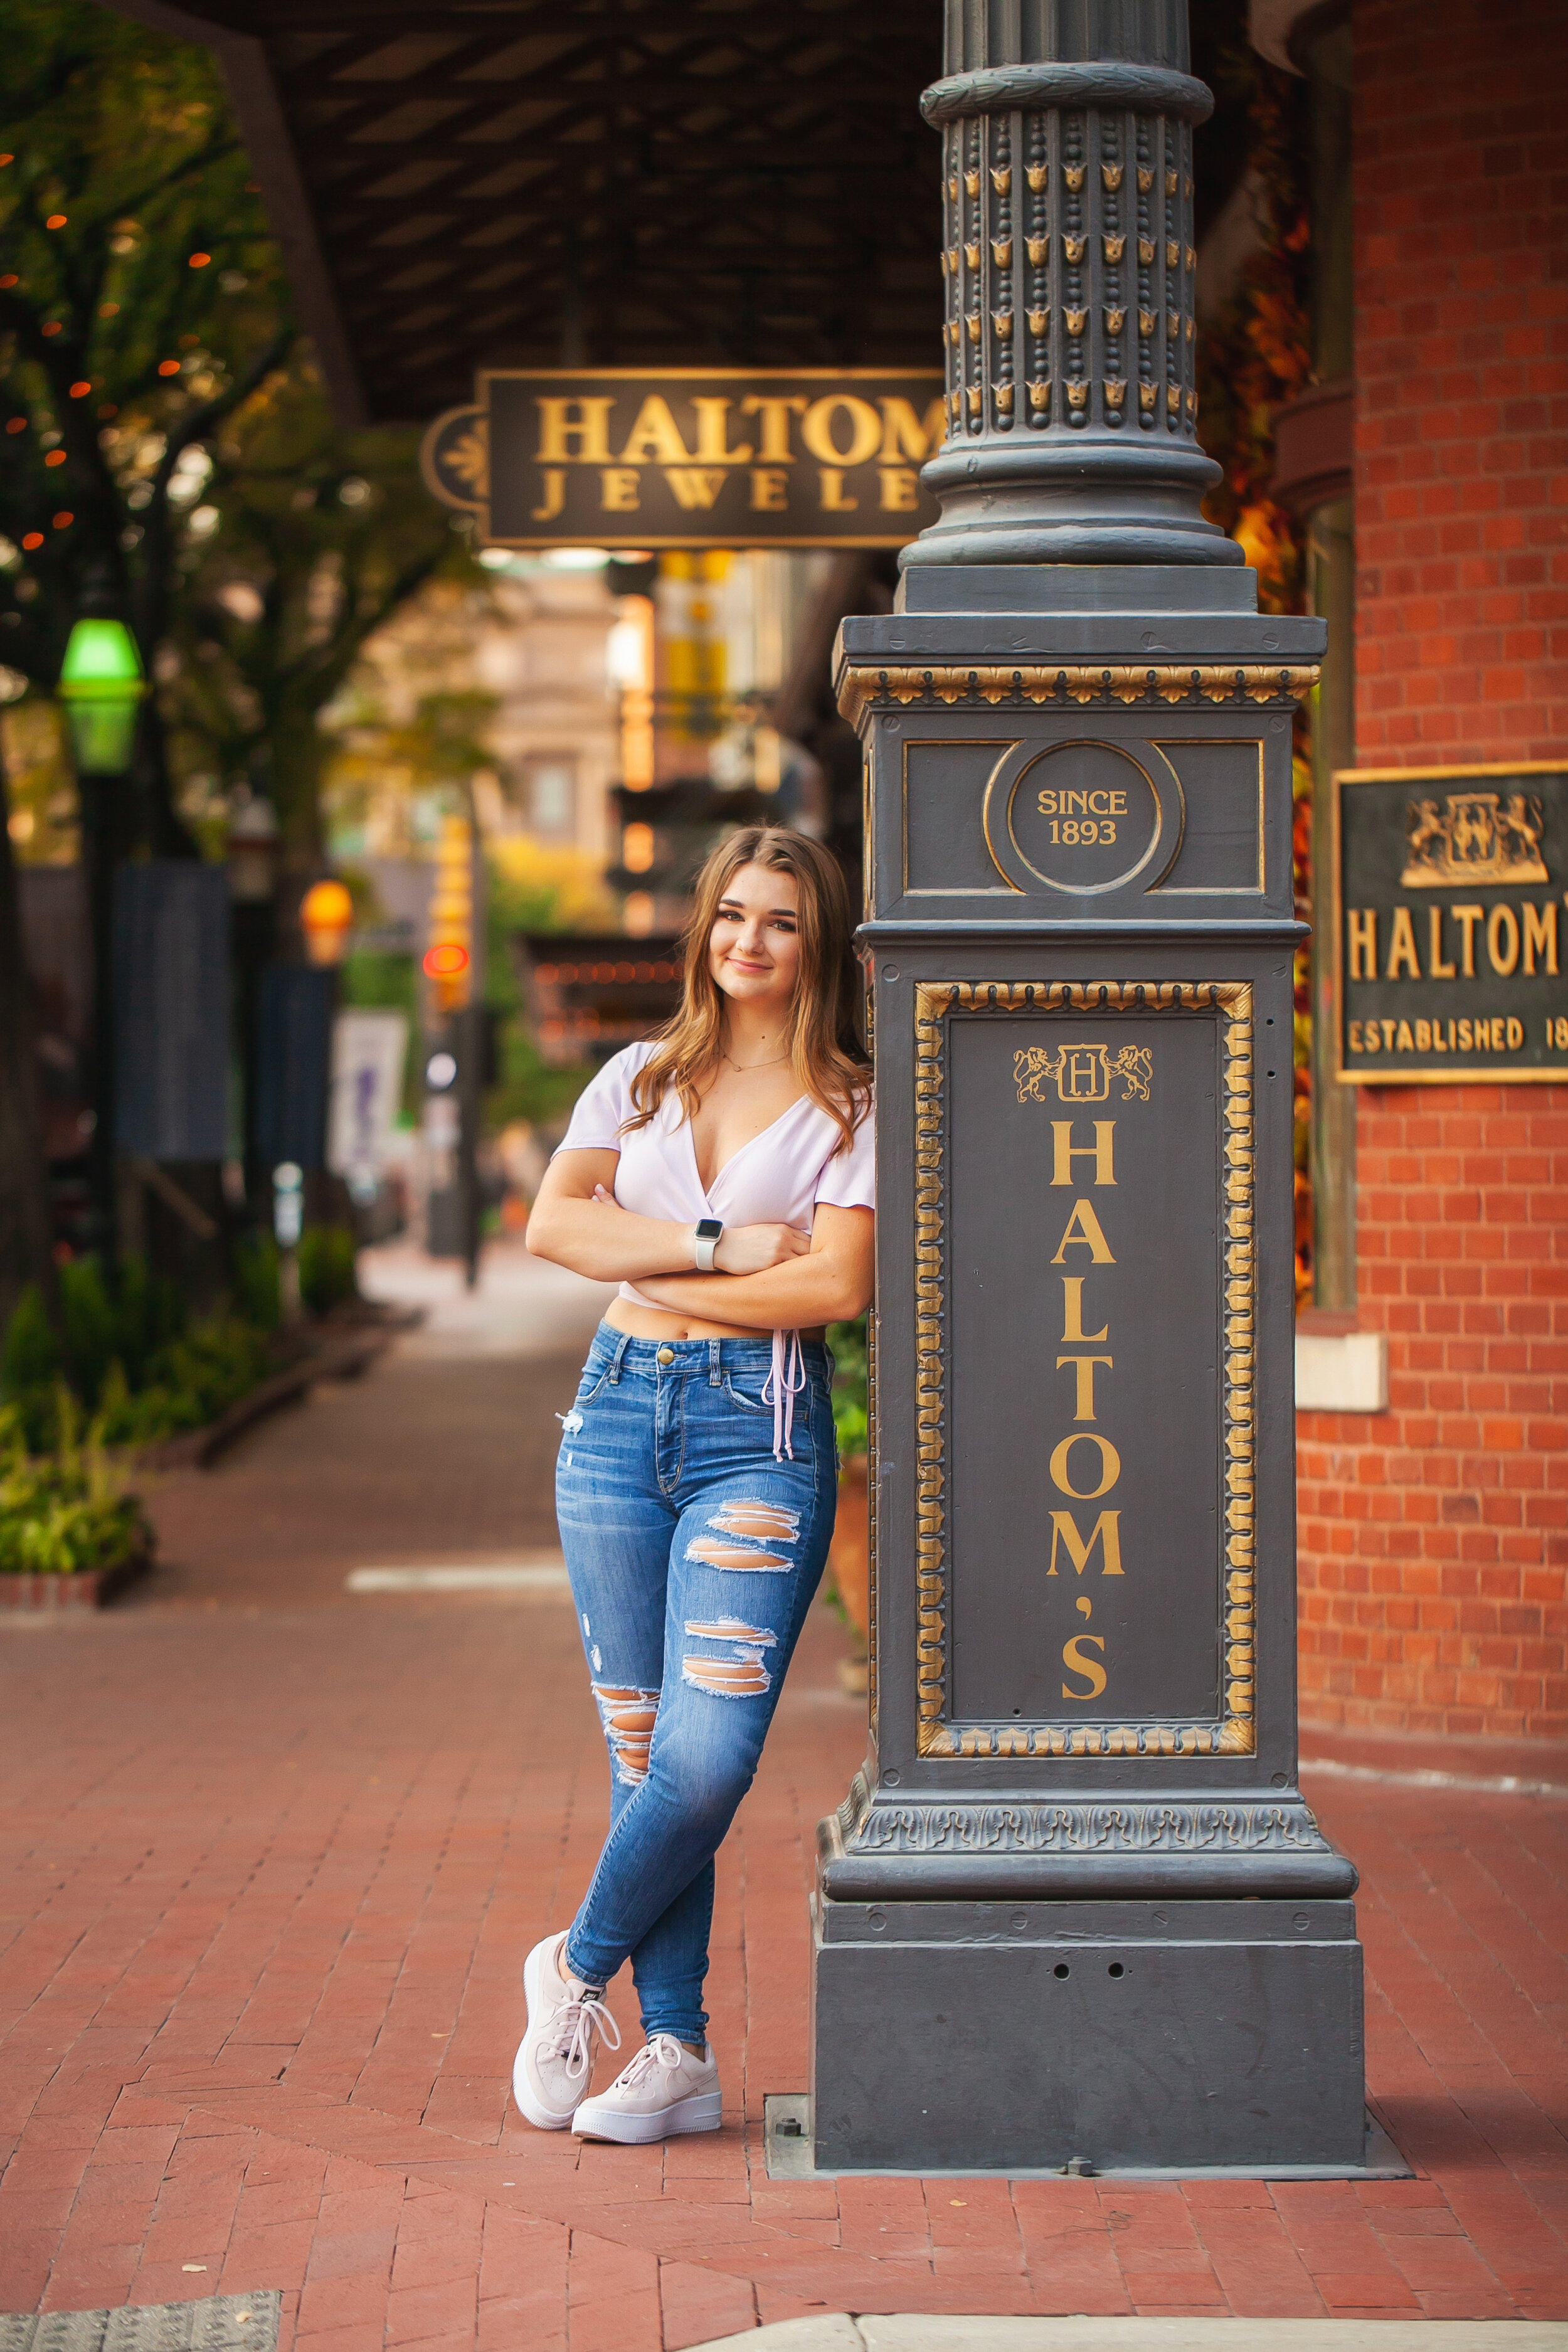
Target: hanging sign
x=691, y=456
x=1451, y=924
x=369, y=1050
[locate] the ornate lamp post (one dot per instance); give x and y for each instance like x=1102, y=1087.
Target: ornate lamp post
x=1074, y=1909
x=102, y=685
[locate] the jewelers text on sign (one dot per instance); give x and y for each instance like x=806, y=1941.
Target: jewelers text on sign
x=691, y=456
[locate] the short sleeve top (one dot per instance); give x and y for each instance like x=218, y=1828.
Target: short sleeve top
x=776, y=1178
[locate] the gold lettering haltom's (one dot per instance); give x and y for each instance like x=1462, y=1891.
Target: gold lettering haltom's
x=1085, y=1465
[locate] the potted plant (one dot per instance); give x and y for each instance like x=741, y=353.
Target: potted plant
x=69, y=1534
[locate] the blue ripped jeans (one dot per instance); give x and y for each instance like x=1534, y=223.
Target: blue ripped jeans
x=694, y=1555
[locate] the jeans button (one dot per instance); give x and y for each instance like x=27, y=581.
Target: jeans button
x=665, y=1356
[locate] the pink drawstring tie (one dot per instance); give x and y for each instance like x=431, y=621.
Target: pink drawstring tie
x=782, y=1387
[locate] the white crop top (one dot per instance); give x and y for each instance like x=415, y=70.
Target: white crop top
x=776, y=1178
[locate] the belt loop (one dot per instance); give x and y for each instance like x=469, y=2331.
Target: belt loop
x=715, y=1349
x=626, y=1342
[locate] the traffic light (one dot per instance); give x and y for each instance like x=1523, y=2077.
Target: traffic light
x=448, y=958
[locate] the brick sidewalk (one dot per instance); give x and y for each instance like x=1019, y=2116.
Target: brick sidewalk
x=271, y=1859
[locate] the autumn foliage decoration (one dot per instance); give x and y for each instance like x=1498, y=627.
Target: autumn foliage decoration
x=1253, y=356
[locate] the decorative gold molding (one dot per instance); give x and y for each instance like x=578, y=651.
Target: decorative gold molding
x=1235, y=1733
x=1124, y=682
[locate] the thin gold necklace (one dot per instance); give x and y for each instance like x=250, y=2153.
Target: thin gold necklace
x=751, y=1066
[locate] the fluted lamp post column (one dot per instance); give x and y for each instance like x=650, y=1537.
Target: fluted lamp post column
x=1074, y=1909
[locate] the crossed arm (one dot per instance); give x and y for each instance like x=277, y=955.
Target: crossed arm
x=769, y=1276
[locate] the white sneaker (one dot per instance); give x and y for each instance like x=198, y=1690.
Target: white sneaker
x=665, y=2090
x=554, y=2063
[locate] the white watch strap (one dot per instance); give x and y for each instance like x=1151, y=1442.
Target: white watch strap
x=705, y=1247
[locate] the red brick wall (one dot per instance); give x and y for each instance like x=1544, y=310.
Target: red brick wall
x=1434, y=1538
x=1461, y=365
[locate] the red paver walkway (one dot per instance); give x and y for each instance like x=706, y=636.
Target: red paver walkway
x=271, y=1859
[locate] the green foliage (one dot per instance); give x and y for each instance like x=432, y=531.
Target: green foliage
x=30, y=1353
x=124, y=138
x=326, y=1259
x=67, y=1513
x=125, y=1354
x=317, y=536
x=129, y=1324
x=251, y=545
x=380, y=977
x=527, y=1086
x=189, y=1382
x=850, y=1397
x=257, y=1292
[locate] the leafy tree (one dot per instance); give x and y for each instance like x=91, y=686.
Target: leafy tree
x=166, y=452
x=141, y=304
x=319, y=537
x=165, y=448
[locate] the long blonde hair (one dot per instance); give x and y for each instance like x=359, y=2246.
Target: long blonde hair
x=825, y=1035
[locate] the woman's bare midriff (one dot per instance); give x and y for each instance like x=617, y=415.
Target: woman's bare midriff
x=651, y=1323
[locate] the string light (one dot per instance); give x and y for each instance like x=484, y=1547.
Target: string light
x=16, y=424
x=55, y=457
x=10, y=280
x=57, y=220
x=50, y=327
x=33, y=539
x=108, y=310
x=80, y=391
x=168, y=367
x=200, y=260
x=64, y=519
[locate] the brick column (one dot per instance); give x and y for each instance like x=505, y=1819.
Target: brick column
x=1434, y=1536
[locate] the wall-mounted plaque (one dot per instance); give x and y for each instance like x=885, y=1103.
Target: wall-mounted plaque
x=1451, y=925
x=691, y=456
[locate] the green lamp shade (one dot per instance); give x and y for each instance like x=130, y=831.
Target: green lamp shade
x=101, y=685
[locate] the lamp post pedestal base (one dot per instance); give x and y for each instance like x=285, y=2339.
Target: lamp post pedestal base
x=1129, y=2034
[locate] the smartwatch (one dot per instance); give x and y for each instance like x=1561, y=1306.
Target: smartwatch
x=709, y=1231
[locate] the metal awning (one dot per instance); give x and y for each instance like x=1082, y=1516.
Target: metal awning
x=506, y=182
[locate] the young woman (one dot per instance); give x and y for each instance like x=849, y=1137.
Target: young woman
x=722, y=1174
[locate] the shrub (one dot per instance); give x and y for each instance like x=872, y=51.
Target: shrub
x=126, y=1355
x=327, y=1274
x=32, y=1370
x=67, y=1512
x=258, y=1294
x=189, y=1384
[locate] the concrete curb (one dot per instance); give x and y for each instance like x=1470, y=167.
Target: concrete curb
x=836, y=2331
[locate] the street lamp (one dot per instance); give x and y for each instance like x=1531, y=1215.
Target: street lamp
x=326, y=918
x=253, y=850
x=102, y=685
